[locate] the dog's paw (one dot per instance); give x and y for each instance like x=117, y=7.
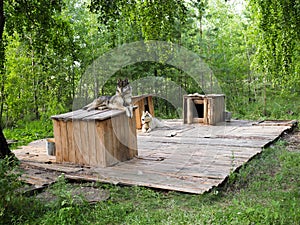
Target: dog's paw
x=129, y=112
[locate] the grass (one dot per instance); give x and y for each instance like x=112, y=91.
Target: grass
x=264, y=191
x=26, y=132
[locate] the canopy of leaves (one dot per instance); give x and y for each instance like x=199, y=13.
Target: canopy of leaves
x=277, y=31
x=48, y=45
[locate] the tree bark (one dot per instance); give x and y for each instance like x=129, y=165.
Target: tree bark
x=4, y=149
x=2, y=57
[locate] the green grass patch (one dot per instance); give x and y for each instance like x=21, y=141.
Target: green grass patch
x=26, y=132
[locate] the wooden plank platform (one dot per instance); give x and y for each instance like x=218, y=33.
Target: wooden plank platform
x=187, y=158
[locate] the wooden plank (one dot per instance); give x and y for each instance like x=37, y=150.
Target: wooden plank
x=120, y=128
x=79, y=143
x=37, y=181
x=290, y=123
x=157, y=180
x=184, y=106
x=58, y=140
x=226, y=141
x=68, y=115
x=110, y=142
x=91, y=144
x=189, y=113
x=70, y=136
x=209, y=111
x=65, y=168
x=212, y=112
x=103, y=115
x=101, y=150
x=198, y=120
x=220, y=109
x=172, y=176
x=138, y=113
x=181, y=185
x=132, y=143
x=85, y=142
x=205, y=111
x=204, y=154
x=85, y=114
x=64, y=141
x=151, y=106
x=199, y=101
x=137, y=98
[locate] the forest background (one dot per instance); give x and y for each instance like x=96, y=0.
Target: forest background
x=252, y=48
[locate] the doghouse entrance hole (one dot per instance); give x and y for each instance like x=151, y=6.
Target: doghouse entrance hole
x=199, y=110
x=146, y=105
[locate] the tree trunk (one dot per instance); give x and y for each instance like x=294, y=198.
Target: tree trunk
x=2, y=57
x=4, y=149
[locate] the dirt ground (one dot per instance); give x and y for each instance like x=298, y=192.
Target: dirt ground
x=75, y=193
x=293, y=140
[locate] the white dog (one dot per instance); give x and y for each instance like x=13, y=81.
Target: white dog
x=149, y=122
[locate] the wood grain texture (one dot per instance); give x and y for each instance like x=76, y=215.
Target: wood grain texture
x=95, y=138
x=194, y=160
x=213, y=109
x=58, y=141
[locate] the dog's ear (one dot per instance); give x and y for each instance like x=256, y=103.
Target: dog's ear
x=126, y=82
x=143, y=113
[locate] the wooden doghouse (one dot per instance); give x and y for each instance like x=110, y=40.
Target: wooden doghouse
x=143, y=103
x=95, y=138
x=206, y=109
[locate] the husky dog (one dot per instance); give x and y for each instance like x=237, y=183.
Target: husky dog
x=121, y=100
x=149, y=122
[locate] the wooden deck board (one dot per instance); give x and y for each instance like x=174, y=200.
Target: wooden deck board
x=193, y=159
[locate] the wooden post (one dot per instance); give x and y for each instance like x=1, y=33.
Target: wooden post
x=150, y=105
x=190, y=105
x=205, y=109
x=184, y=109
x=57, y=135
x=138, y=113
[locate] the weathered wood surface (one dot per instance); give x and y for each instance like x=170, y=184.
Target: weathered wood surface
x=213, y=108
x=94, y=138
x=187, y=158
x=81, y=114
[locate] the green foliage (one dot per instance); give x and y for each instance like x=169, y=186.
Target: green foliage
x=66, y=209
x=153, y=20
x=65, y=197
x=9, y=181
x=15, y=208
x=35, y=77
x=45, y=59
x=276, y=29
x=27, y=132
